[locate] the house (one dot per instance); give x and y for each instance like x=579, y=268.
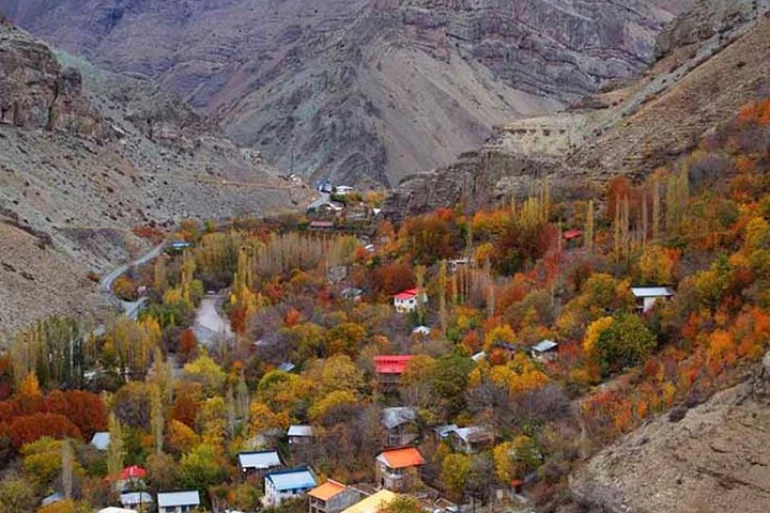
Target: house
x=423, y=331
x=52, y=499
x=545, y=351
x=372, y=504
x=443, y=432
x=100, y=441
x=457, y=263
x=300, y=435
x=407, y=300
x=400, y=423
x=136, y=500
x=258, y=462
x=178, y=247
x=178, y=502
x=481, y=355
x=388, y=369
x=286, y=367
x=397, y=469
x=328, y=207
x=332, y=497
x=471, y=439
x=113, y=509
x=573, y=238
x=343, y=190
x=352, y=294
x=646, y=297
x=286, y=484
x=322, y=225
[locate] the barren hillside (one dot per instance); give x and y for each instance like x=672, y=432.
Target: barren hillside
x=718, y=63
x=80, y=168
x=362, y=89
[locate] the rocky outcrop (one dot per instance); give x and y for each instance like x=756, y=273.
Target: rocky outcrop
x=86, y=157
x=362, y=89
x=712, y=460
x=36, y=93
x=707, y=19
x=631, y=130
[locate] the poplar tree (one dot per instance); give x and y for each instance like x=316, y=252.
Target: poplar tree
x=115, y=451
x=589, y=231
x=442, y=308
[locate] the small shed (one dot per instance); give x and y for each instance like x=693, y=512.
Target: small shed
x=545, y=351
x=647, y=297
x=101, y=440
x=300, y=434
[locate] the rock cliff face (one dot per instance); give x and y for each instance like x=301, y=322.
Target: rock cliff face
x=631, y=130
x=85, y=156
x=361, y=89
x=713, y=460
x=36, y=93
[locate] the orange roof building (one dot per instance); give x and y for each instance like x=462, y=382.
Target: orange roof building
x=327, y=490
x=332, y=497
x=401, y=458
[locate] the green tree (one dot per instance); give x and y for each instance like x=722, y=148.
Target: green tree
x=115, y=450
x=202, y=467
x=454, y=473
x=16, y=495
x=626, y=342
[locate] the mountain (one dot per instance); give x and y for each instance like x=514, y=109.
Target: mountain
x=710, y=458
x=711, y=62
x=361, y=90
x=86, y=158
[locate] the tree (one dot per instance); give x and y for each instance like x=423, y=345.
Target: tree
x=84, y=409
x=158, y=419
x=16, y=495
x=337, y=373
x=454, y=473
x=115, y=450
x=626, y=341
x=442, y=306
x=515, y=459
x=202, y=467
x=42, y=461
x=163, y=472
x=30, y=428
x=205, y=371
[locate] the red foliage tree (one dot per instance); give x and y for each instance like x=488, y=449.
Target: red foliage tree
x=188, y=343
x=84, y=409
x=185, y=409
x=29, y=428
x=393, y=277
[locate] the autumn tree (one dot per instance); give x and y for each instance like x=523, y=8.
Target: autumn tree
x=115, y=450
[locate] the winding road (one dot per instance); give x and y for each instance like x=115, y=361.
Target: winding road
x=130, y=308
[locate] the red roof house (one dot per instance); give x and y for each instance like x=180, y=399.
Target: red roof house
x=389, y=369
x=572, y=234
x=406, y=301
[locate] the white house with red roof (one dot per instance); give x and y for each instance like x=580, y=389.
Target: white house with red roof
x=408, y=300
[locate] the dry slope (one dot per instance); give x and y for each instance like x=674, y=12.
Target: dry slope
x=80, y=167
x=714, y=460
x=362, y=89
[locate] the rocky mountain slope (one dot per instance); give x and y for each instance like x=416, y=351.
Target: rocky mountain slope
x=361, y=89
x=717, y=60
x=85, y=157
x=715, y=459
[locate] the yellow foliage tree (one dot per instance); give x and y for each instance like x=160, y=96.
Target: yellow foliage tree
x=594, y=331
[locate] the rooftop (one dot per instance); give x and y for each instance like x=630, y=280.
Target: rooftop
x=101, y=440
x=652, y=291
x=259, y=460
x=300, y=430
x=293, y=479
x=394, y=417
x=544, y=346
x=373, y=503
x=406, y=294
x=473, y=434
x=135, y=498
x=401, y=458
x=327, y=490
x=172, y=499
x=391, y=364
